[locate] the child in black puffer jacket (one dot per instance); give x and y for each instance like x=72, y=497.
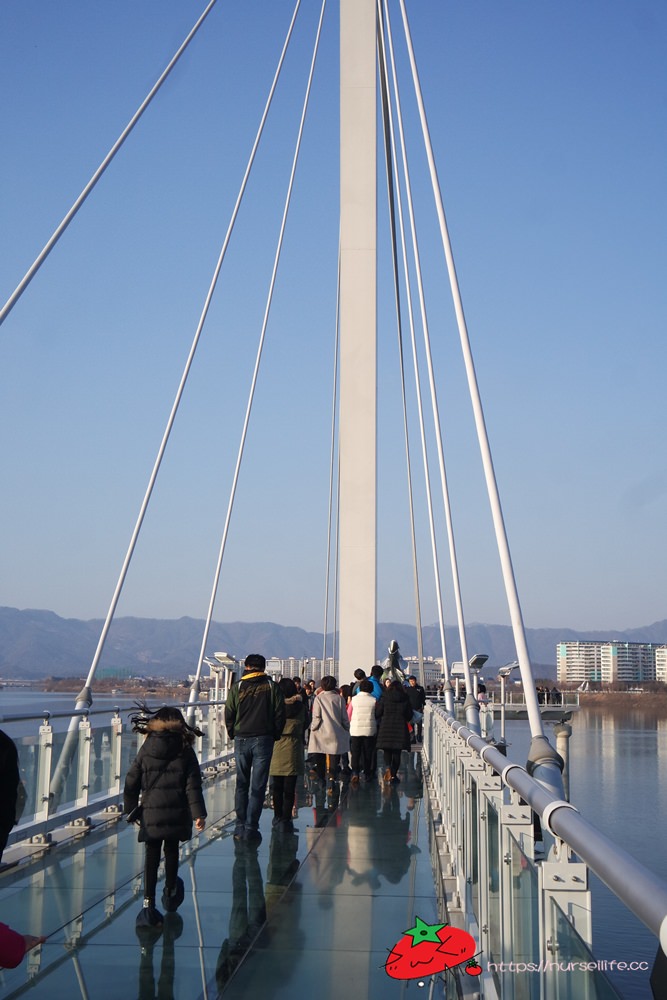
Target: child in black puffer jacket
x=166, y=772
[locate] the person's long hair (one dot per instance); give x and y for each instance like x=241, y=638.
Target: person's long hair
x=290, y=693
x=172, y=720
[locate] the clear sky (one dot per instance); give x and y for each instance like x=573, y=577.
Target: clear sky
x=549, y=122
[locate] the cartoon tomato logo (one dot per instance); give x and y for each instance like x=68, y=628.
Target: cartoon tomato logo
x=473, y=968
x=427, y=949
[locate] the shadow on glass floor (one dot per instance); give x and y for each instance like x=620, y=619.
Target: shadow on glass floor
x=321, y=906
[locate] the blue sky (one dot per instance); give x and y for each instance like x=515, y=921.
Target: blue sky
x=548, y=122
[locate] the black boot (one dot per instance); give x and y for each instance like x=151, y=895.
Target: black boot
x=172, y=898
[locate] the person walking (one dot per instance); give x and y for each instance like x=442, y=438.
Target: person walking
x=255, y=718
x=166, y=773
x=376, y=680
x=9, y=787
x=363, y=729
x=287, y=761
x=417, y=699
x=393, y=713
x=329, y=729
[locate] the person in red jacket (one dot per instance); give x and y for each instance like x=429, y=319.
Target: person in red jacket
x=13, y=946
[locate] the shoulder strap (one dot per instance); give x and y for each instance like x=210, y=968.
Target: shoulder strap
x=156, y=778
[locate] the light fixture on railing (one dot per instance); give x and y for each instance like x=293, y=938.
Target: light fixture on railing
x=503, y=674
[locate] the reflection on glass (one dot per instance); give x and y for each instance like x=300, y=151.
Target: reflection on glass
x=572, y=971
x=474, y=849
x=248, y=912
x=148, y=939
x=493, y=887
x=525, y=924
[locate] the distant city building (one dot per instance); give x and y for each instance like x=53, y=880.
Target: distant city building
x=432, y=670
x=661, y=664
x=309, y=667
x=306, y=668
x=610, y=662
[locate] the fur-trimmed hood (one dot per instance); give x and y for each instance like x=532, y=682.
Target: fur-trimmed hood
x=160, y=726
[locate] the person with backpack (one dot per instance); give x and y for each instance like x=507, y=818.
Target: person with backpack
x=255, y=719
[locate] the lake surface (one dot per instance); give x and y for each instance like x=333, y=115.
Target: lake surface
x=618, y=781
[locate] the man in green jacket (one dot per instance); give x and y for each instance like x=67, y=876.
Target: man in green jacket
x=255, y=718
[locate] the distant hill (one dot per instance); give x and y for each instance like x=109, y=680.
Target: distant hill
x=36, y=644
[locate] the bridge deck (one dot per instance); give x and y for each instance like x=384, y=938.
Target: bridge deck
x=319, y=907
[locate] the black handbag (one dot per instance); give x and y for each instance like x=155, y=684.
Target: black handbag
x=134, y=815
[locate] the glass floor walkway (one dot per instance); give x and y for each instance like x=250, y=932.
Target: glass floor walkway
x=316, y=910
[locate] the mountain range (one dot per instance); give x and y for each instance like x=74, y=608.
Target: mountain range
x=36, y=644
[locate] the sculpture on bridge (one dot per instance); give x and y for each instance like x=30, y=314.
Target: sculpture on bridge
x=394, y=667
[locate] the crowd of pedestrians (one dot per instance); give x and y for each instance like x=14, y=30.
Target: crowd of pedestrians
x=292, y=733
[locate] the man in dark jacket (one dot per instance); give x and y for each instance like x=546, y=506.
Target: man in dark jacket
x=255, y=718
x=9, y=786
x=417, y=698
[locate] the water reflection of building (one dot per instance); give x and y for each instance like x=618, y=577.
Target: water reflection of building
x=611, y=662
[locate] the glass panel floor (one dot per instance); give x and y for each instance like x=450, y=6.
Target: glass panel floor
x=317, y=908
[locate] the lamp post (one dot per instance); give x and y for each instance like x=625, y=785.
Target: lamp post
x=476, y=663
x=230, y=665
x=503, y=674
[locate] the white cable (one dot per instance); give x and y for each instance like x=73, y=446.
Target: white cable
x=429, y=362
x=336, y=567
x=516, y=617
x=251, y=395
x=384, y=90
x=186, y=371
x=32, y=271
x=332, y=461
x=420, y=412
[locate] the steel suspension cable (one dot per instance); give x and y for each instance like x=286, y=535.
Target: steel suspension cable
x=389, y=167
x=48, y=247
x=516, y=616
x=190, y=359
x=472, y=707
x=332, y=461
x=84, y=698
x=216, y=580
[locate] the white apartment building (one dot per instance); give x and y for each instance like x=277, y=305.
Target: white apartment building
x=610, y=662
x=661, y=664
x=307, y=668
x=432, y=670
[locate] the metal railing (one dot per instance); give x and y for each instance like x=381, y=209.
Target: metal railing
x=515, y=863
x=93, y=778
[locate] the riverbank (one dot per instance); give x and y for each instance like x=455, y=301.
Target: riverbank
x=154, y=691
x=650, y=701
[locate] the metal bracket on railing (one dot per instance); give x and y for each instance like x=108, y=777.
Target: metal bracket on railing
x=82, y=823
x=550, y=809
x=564, y=875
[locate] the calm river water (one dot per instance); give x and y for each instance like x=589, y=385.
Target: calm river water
x=618, y=781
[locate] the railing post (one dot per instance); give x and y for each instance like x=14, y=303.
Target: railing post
x=212, y=727
x=83, y=771
x=43, y=785
x=116, y=752
x=564, y=882
x=490, y=797
x=199, y=740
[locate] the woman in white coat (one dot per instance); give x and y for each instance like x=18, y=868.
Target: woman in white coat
x=329, y=729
